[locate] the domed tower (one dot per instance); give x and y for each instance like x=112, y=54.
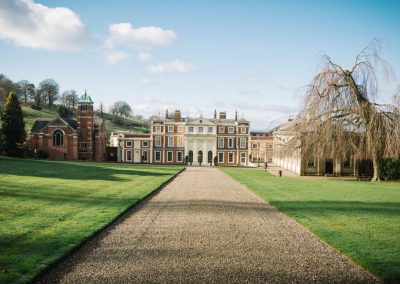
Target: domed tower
x=85, y=123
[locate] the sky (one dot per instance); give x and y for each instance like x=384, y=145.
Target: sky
x=255, y=57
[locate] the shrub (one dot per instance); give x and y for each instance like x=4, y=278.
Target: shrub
x=36, y=107
x=390, y=169
x=42, y=155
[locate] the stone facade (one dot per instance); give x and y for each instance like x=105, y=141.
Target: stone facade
x=69, y=139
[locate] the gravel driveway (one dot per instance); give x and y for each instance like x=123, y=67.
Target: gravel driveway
x=206, y=227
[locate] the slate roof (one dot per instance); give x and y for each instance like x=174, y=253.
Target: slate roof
x=42, y=123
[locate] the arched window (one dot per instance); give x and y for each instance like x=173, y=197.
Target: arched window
x=190, y=156
x=209, y=160
x=58, y=138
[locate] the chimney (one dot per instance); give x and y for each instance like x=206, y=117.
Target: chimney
x=166, y=113
x=236, y=115
x=177, y=115
x=215, y=114
x=222, y=115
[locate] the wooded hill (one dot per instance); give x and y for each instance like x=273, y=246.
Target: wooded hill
x=112, y=124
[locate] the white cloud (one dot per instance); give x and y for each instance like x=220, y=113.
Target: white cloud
x=114, y=57
x=28, y=24
x=177, y=66
x=145, y=81
x=144, y=56
x=124, y=34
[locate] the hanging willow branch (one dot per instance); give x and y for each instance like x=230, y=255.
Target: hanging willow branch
x=340, y=117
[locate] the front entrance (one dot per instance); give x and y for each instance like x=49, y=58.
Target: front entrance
x=329, y=167
x=200, y=157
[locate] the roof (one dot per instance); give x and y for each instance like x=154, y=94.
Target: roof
x=242, y=120
x=42, y=123
x=85, y=99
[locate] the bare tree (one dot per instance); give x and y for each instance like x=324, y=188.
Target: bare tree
x=49, y=88
x=341, y=118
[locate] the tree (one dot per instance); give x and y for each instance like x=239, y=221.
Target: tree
x=49, y=89
x=37, y=96
x=69, y=99
x=6, y=86
x=341, y=118
x=12, y=125
x=120, y=108
x=64, y=112
x=23, y=90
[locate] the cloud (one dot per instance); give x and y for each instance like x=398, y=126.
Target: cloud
x=114, y=57
x=177, y=66
x=124, y=34
x=145, y=81
x=28, y=24
x=144, y=56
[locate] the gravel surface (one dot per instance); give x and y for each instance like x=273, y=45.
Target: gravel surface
x=206, y=227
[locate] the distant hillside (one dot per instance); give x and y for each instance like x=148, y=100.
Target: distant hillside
x=122, y=123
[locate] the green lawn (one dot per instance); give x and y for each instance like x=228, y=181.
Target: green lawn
x=47, y=208
x=360, y=219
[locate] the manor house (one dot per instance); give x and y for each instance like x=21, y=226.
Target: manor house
x=174, y=139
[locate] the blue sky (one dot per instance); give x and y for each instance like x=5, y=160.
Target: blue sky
x=253, y=56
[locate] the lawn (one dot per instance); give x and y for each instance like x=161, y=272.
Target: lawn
x=47, y=208
x=360, y=219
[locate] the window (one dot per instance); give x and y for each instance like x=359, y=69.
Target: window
x=82, y=145
x=171, y=141
x=230, y=142
x=243, y=158
x=220, y=157
x=158, y=129
x=231, y=129
x=180, y=141
x=230, y=157
x=347, y=163
x=169, y=156
x=210, y=129
x=179, y=156
x=200, y=157
x=180, y=129
x=243, y=130
x=145, y=156
x=311, y=163
x=157, y=157
x=221, y=129
x=158, y=141
x=145, y=143
x=190, y=129
x=209, y=157
x=128, y=143
x=83, y=108
x=270, y=146
x=201, y=129
x=242, y=142
x=220, y=142
x=171, y=128
x=129, y=155
x=58, y=138
x=255, y=146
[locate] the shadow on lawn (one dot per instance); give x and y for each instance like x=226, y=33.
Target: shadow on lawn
x=331, y=207
x=73, y=170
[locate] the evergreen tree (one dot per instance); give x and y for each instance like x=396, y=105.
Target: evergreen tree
x=12, y=125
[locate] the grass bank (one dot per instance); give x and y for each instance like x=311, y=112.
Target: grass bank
x=360, y=219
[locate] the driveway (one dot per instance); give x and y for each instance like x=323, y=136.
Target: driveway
x=206, y=227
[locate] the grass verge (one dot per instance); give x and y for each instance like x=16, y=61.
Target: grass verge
x=48, y=208
x=360, y=219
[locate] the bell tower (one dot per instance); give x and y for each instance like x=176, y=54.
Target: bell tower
x=85, y=121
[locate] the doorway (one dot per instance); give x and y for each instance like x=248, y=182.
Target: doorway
x=200, y=157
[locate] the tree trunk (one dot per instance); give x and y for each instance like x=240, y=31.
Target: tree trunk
x=377, y=169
